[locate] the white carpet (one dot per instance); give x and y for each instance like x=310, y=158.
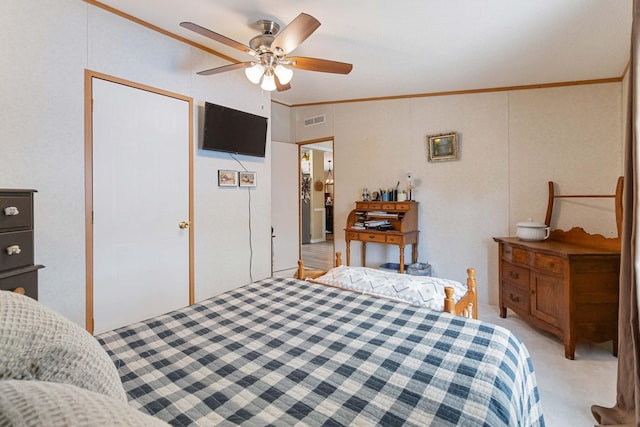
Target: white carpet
x=568, y=388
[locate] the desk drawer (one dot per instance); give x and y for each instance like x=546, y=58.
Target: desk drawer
x=550, y=263
x=396, y=240
x=352, y=235
x=24, y=283
x=515, y=275
x=368, y=206
x=22, y=241
x=18, y=217
x=396, y=206
x=515, y=297
x=370, y=237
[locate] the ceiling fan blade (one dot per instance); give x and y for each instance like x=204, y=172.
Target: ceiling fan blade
x=280, y=87
x=323, y=65
x=224, y=68
x=295, y=33
x=215, y=36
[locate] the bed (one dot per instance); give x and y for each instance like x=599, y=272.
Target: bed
x=432, y=292
x=284, y=351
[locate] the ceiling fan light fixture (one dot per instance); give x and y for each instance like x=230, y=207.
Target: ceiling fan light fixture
x=284, y=74
x=268, y=82
x=269, y=52
x=254, y=73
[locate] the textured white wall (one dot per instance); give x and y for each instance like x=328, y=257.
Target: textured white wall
x=511, y=144
x=282, y=121
x=42, y=134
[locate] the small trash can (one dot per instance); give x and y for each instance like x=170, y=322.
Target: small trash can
x=393, y=267
x=419, y=269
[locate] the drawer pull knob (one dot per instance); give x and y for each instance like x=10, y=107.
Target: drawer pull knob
x=371, y=236
x=13, y=250
x=514, y=298
x=11, y=211
x=20, y=291
x=514, y=275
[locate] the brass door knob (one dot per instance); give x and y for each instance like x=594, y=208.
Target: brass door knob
x=183, y=225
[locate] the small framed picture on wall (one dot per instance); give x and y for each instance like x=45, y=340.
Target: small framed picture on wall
x=442, y=147
x=247, y=179
x=227, y=178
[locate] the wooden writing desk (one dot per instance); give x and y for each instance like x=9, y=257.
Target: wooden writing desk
x=403, y=217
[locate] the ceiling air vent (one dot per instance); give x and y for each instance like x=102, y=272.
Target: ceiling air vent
x=310, y=121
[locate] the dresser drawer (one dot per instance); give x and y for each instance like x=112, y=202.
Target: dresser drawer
x=18, y=213
x=24, y=283
x=515, y=275
x=516, y=255
x=370, y=237
x=550, y=263
x=16, y=249
x=515, y=297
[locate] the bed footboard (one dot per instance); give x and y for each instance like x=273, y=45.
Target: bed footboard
x=303, y=274
x=468, y=304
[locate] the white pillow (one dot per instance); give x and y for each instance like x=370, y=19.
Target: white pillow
x=39, y=403
x=38, y=344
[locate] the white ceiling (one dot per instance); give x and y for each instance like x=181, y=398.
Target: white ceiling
x=408, y=47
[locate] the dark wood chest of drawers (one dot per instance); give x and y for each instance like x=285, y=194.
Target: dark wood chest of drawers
x=18, y=273
x=567, y=289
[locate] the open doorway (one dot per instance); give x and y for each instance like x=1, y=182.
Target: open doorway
x=316, y=200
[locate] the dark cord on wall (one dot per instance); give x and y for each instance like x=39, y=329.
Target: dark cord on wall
x=250, y=237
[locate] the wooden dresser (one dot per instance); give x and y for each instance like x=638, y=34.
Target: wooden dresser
x=568, y=289
x=18, y=273
x=403, y=217
x=568, y=284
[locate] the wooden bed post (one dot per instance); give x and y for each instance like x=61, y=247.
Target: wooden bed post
x=471, y=286
x=300, y=272
x=449, y=303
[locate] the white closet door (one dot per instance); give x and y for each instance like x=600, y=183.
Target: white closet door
x=140, y=195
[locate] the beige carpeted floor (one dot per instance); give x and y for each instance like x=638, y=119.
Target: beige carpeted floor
x=568, y=388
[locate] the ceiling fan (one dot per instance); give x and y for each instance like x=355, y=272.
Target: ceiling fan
x=270, y=62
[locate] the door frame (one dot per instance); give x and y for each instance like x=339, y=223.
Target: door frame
x=300, y=145
x=89, y=75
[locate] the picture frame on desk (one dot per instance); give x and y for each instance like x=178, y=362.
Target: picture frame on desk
x=248, y=179
x=442, y=147
x=227, y=178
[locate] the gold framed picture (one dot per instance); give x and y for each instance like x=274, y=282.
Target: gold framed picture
x=442, y=147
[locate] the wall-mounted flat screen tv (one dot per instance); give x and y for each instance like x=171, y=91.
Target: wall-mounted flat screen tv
x=233, y=131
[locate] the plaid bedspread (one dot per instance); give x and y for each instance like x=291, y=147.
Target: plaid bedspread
x=284, y=352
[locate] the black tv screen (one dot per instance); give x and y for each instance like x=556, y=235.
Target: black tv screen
x=233, y=131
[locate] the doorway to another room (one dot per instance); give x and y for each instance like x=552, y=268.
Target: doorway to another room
x=316, y=204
